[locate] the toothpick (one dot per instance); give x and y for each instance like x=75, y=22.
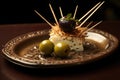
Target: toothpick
x=91, y=14
x=82, y=32
x=92, y=27
x=44, y=18
x=75, y=12
x=89, y=11
x=53, y=14
x=61, y=12
x=89, y=24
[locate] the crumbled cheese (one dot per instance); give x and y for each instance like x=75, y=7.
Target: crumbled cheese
x=74, y=39
x=74, y=42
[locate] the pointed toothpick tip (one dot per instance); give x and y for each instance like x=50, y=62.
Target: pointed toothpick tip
x=75, y=12
x=61, y=13
x=95, y=8
x=89, y=11
x=43, y=18
x=53, y=14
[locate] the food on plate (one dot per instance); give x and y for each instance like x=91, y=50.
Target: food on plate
x=46, y=46
x=61, y=49
x=68, y=33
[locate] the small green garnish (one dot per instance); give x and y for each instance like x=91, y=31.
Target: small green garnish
x=69, y=17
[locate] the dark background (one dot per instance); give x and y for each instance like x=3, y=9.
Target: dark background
x=22, y=11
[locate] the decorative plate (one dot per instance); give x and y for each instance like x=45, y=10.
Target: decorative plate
x=23, y=50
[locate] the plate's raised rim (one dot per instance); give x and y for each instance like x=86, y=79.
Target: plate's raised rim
x=36, y=64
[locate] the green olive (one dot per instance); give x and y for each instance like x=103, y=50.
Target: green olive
x=61, y=50
x=46, y=46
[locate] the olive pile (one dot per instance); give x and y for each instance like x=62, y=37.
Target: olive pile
x=61, y=49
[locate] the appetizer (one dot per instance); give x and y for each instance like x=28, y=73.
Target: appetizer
x=67, y=34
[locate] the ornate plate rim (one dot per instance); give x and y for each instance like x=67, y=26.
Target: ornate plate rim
x=37, y=64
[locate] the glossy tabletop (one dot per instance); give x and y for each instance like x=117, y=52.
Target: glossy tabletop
x=107, y=68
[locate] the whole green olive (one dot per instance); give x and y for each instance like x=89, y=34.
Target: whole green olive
x=61, y=50
x=46, y=46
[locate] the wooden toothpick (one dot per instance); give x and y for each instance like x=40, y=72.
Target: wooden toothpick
x=53, y=14
x=91, y=14
x=75, y=12
x=89, y=24
x=89, y=11
x=92, y=27
x=61, y=12
x=44, y=18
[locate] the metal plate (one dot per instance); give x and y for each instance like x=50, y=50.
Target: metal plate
x=23, y=50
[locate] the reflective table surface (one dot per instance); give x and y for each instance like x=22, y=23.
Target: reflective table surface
x=107, y=68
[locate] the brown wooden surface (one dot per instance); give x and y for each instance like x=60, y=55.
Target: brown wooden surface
x=107, y=68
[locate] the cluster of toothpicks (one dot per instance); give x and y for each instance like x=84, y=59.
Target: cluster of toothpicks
x=82, y=20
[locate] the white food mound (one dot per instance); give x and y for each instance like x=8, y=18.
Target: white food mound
x=74, y=42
